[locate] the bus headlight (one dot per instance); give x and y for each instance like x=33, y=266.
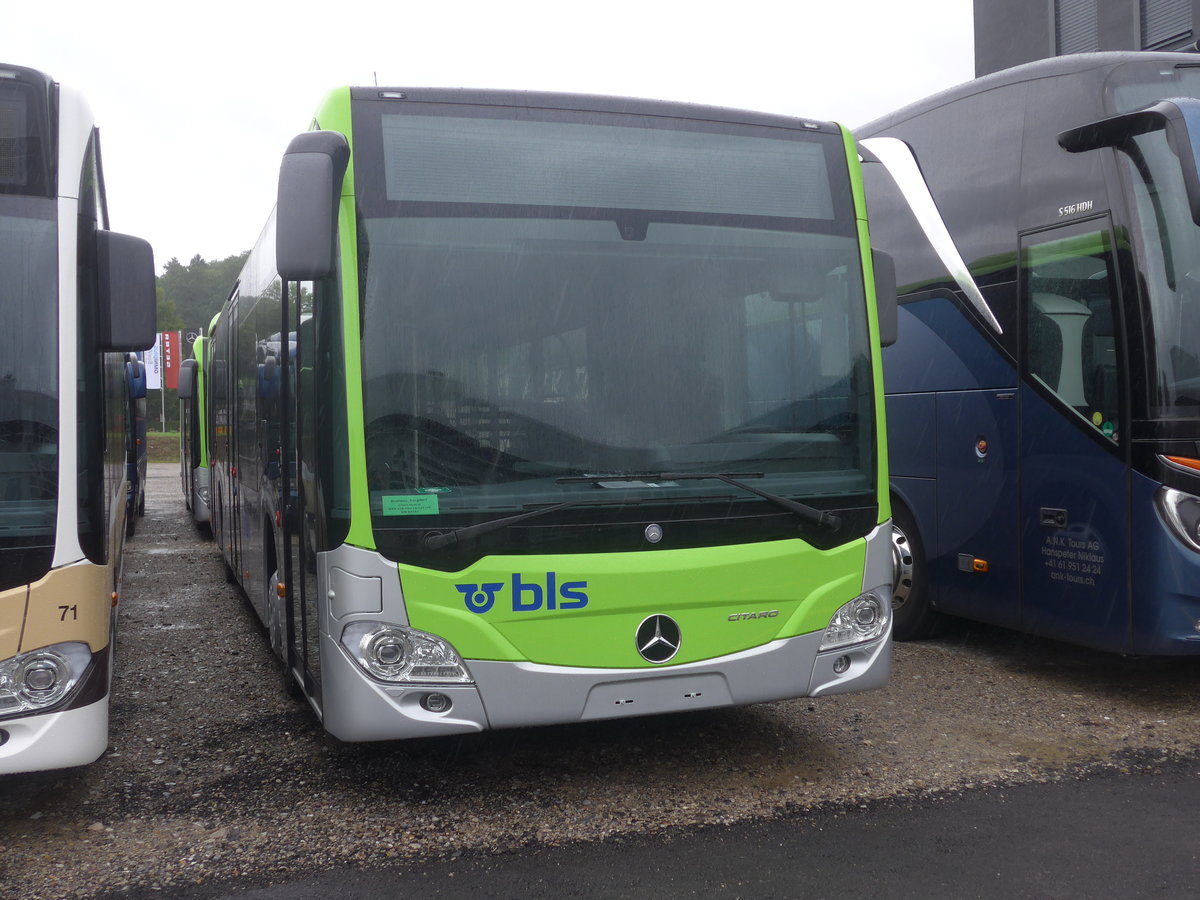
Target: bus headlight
x=41, y=678
x=864, y=618
x=1182, y=512
x=397, y=654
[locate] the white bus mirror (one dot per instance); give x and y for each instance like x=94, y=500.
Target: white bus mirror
x=126, y=292
x=310, y=185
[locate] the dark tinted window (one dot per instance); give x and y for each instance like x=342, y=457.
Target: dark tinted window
x=28, y=389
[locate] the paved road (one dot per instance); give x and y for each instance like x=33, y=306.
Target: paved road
x=1105, y=836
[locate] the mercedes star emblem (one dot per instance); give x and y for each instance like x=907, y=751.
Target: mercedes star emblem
x=658, y=638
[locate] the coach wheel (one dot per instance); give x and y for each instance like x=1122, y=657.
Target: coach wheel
x=913, y=618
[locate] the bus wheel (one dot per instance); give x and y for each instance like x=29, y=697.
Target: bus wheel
x=913, y=618
x=274, y=611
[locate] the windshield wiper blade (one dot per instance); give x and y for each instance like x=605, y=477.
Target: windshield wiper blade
x=811, y=513
x=469, y=532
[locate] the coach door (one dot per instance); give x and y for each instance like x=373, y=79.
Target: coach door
x=1074, y=481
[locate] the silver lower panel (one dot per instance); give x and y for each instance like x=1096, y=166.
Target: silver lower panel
x=200, y=489
x=509, y=694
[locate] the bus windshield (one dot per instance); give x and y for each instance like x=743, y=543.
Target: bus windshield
x=28, y=389
x=556, y=299
x=1171, y=240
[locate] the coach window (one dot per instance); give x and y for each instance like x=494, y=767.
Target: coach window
x=1070, y=309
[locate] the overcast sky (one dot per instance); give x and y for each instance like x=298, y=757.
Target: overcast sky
x=197, y=101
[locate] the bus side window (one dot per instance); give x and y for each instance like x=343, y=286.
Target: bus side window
x=1070, y=338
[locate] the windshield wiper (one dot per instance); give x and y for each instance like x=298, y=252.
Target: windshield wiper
x=811, y=513
x=468, y=532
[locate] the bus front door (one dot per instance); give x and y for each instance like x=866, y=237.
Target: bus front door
x=1074, y=479
x=298, y=497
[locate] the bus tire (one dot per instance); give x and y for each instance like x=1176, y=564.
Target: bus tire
x=276, y=630
x=912, y=616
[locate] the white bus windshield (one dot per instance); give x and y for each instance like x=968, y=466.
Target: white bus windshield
x=28, y=390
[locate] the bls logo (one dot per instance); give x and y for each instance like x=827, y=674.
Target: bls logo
x=526, y=596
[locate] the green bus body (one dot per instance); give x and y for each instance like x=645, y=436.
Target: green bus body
x=584, y=422
x=193, y=434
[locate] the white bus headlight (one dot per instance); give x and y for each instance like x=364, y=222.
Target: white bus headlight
x=398, y=654
x=41, y=678
x=864, y=618
x=1182, y=512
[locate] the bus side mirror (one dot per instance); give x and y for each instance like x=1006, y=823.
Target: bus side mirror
x=187, y=379
x=886, y=303
x=310, y=186
x=1179, y=118
x=217, y=381
x=127, y=298
x=135, y=371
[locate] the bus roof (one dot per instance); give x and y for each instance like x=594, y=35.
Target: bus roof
x=1042, y=68
x=586, y=103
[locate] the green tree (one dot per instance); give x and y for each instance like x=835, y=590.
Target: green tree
x=198, y=289
x=188, y=297
x=168, y=314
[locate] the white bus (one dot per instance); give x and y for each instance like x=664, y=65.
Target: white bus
x=75, y=297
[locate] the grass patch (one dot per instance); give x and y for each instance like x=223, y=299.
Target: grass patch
x=163, y=446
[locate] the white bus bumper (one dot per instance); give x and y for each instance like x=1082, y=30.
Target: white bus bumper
x=54, y=740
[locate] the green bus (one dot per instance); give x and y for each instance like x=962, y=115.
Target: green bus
x=193, y=434
x=533, y=408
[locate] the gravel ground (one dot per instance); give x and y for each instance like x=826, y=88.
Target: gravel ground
x=214, y=772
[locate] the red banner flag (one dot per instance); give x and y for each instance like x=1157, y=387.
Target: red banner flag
x=172, y=356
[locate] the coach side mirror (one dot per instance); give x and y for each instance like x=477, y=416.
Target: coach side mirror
x=310, y=186
x=886, y=302
x=125, y=291
x=135, y=372
x=187, y=379
x=1179, y=118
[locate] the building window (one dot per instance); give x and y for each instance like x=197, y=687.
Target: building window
x=1076, y=27
x=1165, y=22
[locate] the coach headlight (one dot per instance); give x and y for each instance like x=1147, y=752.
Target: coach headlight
x=1182, y=512
x=396, y=654
x=864, y=618
x=41, y=678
